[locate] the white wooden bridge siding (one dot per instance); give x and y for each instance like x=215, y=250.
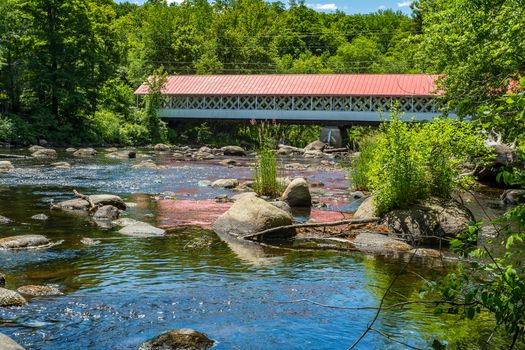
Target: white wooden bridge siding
x=307, y=108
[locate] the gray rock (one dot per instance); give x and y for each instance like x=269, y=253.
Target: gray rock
x=178, y=156
x=141, y=229
x=315, y=146
x=204, y=183
x=251, y=214
x=233, y=151
x=367, y=209
x=428, y=222
x=203, y=155
x=24, y=242
x=71, y=150
x=145, y=164
x=97, y=199
x=35, y=148
x=125, y=222
x=38, y=291
x=42, y=217
x=44, y=153
x=242, y=195
x=61, y=165
x=225, y=183
x=282, y=205
x=297, y=194
x=160, y=147
x=111, y=149
x=379, y=243
x=85, y=152
x=106, y=212
x=6, y=166
x=4, y=220
x=228, y=162
x=314, y=154
x=7, y=343
x=513, y=197
x=426, y=253
x=205, y=149
x=10, y=298
x=122, y=155
x=179, y=339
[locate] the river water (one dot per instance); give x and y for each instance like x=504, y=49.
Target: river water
x=126, y=290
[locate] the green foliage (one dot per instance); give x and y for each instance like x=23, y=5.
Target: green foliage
x=6, y=129
x=265, y=172
x=154, y=101
x=407, y=162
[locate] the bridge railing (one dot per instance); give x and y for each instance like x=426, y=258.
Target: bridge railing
x=305, y=103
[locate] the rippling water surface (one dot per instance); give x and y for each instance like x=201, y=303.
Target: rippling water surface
x=127, y=290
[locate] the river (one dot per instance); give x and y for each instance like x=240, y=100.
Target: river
x=126, y=290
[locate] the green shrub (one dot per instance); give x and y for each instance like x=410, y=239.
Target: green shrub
x=107, y=126
x=407, y=162
x=6, y=129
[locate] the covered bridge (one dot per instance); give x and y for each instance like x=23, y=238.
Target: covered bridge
x=319, y=98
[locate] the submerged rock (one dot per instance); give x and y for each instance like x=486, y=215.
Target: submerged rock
x=141, y=229
x=42, y=217
x=297, y=194
x=24, y=242
x=85, y=152
x=11, y=298
x=44, y=153
x=61, y=165
x=89, y=241
x=251, y=214
x=6, y=166
x=233, y=151
x=7, y=343
x=379, y=243
x=228, y=161
x=179, y=339
x=225, y=183
x=38, y=291
x=97, y=199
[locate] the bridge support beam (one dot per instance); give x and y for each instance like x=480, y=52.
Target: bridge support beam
x=333, y=135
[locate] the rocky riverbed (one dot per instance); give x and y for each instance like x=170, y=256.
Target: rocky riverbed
x=147, y=261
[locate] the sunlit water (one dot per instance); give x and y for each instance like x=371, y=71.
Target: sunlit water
x=126, y=290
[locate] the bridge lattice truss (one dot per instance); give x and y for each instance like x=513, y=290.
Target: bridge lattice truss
x=305, y=103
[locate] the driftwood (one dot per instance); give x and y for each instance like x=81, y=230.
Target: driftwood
x=92, y=206
x=316, y=224
x=335, y=150
x=12, y=156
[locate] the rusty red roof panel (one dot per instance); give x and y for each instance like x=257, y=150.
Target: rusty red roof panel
x=301, y=84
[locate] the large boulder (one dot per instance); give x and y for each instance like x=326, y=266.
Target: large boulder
x=24, y=242
x=233, y=151
x=251, y=214
x=44, y=153
x=225, y=183
x=85, y=152
x=179, y=339
x=428, y=222
x=97, y=199
x=297, y=194
x=7, y=343
x=367, y=209
x=513, y=197
x=38, y=291
x=106, y=213
x=10, y=298
x=315, y=146
x=6, y=166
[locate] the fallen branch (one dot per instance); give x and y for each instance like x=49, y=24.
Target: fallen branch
x=311, y=225
x=92, y=206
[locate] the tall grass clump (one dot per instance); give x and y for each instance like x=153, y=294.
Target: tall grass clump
x=408, y=162
x=266, y=171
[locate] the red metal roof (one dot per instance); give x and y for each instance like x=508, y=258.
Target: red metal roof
x=301, y=84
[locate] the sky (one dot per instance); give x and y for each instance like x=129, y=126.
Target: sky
x=348, y=6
